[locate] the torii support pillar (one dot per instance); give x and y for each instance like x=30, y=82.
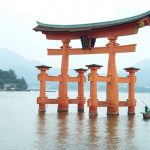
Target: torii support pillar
x=131, y=96
x=93, y=78
x=63, y=84
x=81, y=98
x=112, y=86
x=42, y=77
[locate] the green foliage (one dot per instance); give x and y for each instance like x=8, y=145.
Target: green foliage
x=21, y=84
x=10, y=78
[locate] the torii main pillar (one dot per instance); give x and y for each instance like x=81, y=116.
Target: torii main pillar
x=112, y=87
x=63, y=84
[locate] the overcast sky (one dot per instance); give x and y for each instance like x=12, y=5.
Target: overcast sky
x=18, y=18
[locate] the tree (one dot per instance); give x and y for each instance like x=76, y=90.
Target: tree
x=1, y=84
x=9, y=77
x=21, y=84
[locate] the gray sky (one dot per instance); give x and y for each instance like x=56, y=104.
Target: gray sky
x=18, y=18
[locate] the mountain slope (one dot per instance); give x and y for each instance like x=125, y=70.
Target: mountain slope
x=9, y=58
x=143, y=75
x=26, y=68
x=22, y=67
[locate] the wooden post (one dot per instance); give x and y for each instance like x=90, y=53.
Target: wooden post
x=81, y=97
x=63, y=85
x=131, y=94
x=112, y=86
x=93, y=78
x=42, y=77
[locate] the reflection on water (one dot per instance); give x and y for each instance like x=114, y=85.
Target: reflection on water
x=41, y=130
x=92, y=130
x=130, y=127
x=112, y=132
x=131, y=132
x=67, y=131
x=62, y=127
x=22, y=128
x=41, y=125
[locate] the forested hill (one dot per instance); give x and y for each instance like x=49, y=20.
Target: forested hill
x=9, y=81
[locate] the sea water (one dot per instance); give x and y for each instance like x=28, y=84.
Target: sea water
x=23, y=128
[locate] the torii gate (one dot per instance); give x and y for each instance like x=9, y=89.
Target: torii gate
x=88, y=33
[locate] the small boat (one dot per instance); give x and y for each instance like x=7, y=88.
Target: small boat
x=146, y=115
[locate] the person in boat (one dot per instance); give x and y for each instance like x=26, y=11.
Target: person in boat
x=147, y=110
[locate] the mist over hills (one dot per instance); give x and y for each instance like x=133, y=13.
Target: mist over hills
x=23, y=67
x=143, y=75
x=26, y=68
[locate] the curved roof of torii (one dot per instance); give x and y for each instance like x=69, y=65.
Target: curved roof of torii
x=84, y=28
x=89, y=26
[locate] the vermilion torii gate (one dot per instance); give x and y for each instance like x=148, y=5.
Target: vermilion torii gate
x=88, y=33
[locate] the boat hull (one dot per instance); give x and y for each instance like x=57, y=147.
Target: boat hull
x=146, y=115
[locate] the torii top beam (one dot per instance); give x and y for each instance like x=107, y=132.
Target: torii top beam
x=122, y=27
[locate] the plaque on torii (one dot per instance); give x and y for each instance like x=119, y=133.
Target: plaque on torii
x=88, y=33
